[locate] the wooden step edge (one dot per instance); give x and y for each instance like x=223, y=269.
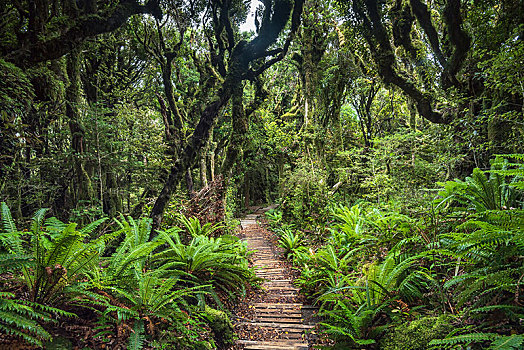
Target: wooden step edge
x=290, y=326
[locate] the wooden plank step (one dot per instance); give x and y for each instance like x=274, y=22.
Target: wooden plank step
x=274, y=312
x=279, y=286
x=273, y=345
x=285, y=326
x=279, y=313
x=278, y=320
x=279, y=305
x=284, y=280
x=288, y=312
x=270, y=294
x=283, y=291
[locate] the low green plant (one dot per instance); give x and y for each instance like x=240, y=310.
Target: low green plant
x=193, y=227
x=129, y=257
x=206, y=261
x=479, y=192
x=274, y=217
x=23, y=318
x=513, y=169
x=350, y=327
x=62, y=255
x=479, y=340
x=291, y=241
x=490, y=248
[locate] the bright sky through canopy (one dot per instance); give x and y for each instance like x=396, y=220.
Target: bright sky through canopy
x=249, y=24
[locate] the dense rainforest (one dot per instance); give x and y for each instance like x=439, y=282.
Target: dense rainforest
x=389, y=135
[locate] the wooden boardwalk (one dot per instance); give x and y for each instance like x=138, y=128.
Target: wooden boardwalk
x=279, y=321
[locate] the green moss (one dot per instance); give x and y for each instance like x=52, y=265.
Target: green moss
x=59, y=343
x=221, y=326
x=417, y=334
x=48, y=85
x=16, y=92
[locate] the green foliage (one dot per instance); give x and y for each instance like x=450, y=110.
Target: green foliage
x=305, y=195
x=23, y=318
x=491, y=245
x=291, y=241
x=219, y=262
x=351, y=328
x=274, y=217
x=350, y=221
x=62, y=257
x=503, y=70
x=479, y=192
x=493, y=340
x=130, y=256
x=16, y=92
x=513, y=169
x=417, y=334
x=221, y=326
x=193, y=227
x=136, y=338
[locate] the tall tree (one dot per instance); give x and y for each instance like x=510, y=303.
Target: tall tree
x=247, y=60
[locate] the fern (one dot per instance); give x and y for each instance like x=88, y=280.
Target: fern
x=193, y=227
x=60, y=254
x=514, y=170
x=512, y=342
x=10, y=237
x=205, y=260
x=464, y=339
x=495, y=341
x=137, y=337
x=21, y=318
x=480, y=192
x=290, y=241
x=492, y=247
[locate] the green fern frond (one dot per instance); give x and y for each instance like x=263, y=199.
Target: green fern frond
x=137, y=337
x=9, y=262
x=512, y=342
x=88, y=230
x=464, y=339
x=21, y=318
x=10, y=237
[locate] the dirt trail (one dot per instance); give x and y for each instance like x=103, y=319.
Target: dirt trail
x=277, y=320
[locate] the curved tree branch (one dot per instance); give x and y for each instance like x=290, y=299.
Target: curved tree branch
x=85, y=27
x=378, y=39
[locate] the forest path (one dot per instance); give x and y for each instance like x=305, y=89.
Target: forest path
x=275, y=320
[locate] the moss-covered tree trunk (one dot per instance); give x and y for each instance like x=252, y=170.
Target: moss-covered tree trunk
x=244, y=53
x=84, y=188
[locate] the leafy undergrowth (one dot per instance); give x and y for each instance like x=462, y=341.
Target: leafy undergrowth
x=126, y=289
x=451, y=279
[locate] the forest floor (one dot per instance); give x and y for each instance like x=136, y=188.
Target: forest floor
x=275, y=317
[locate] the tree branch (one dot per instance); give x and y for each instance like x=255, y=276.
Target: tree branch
x=85, y=27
